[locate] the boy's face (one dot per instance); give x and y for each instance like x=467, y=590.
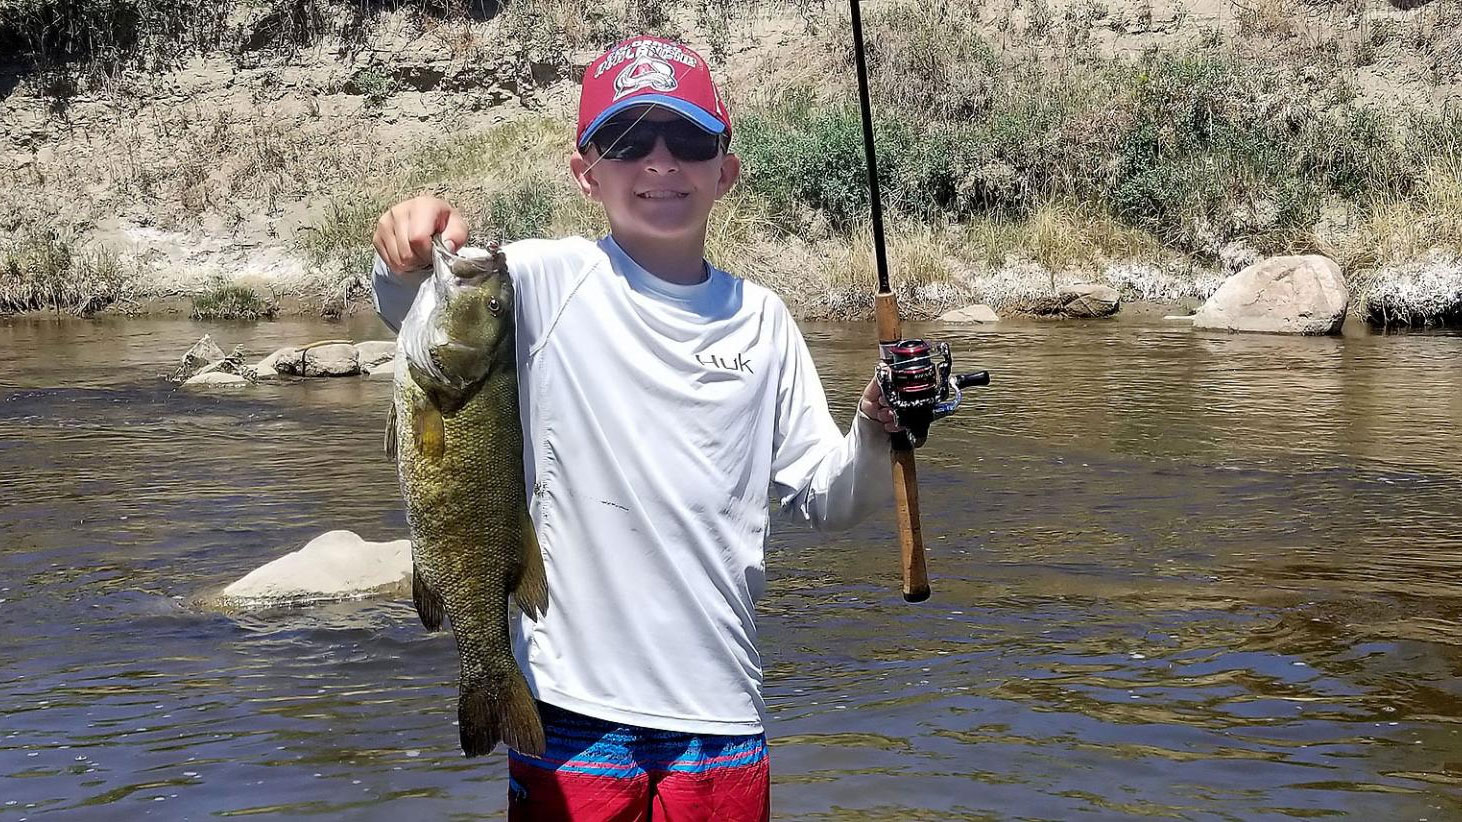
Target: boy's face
x=658, y=196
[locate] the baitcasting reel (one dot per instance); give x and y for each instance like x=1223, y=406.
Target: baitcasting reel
x=916, y=381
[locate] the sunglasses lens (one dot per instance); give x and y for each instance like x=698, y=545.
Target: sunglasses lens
x=623, y=141
x=691, y=144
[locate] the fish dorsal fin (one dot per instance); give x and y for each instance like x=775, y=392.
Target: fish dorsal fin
x=531, y=592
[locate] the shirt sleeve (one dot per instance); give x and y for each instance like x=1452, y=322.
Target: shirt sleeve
x=394, y=293
x=820, y=475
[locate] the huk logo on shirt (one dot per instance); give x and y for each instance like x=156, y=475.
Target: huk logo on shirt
x=738, y=363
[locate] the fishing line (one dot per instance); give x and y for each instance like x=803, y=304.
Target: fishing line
x=622, y=135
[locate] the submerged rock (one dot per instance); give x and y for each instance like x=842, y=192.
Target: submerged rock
x=373, y=354
x=266, y=369
x=1089, y=300
x=384, y=371
x=217, y=379
x=203, y=353
x=1280, y=295
x=333, y=566
x=976, y=313
x=331, y=360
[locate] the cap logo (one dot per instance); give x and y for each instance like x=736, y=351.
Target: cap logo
x=645, y=72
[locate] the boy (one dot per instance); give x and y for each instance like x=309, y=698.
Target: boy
x=660, y=397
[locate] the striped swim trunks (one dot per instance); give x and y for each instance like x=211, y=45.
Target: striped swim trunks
x=598, y=771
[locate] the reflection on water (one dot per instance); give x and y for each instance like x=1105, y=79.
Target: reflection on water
x=1176, y=575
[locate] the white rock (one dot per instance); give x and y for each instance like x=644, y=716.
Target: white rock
x=334, y=565
x=1280, y=295
x=374, y=353
x=285, y=361
x=332, y=360
x=205, y=352
x=976, y=313
x=217, y=378
x=386, y=371
x=265, y=369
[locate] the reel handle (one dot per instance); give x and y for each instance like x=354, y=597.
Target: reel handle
x=972, y=380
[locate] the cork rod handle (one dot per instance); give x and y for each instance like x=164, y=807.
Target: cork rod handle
x=905, y=476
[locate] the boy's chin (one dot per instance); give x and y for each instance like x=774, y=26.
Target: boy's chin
x=667, y=228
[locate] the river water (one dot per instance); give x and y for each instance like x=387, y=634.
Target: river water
x=1176, y=575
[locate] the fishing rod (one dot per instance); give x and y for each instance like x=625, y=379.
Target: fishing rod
x=914, y=373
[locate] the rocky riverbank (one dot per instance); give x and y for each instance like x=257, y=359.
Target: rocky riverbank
x=1017, y=158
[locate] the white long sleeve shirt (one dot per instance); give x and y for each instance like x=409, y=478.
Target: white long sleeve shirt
x=654, y=417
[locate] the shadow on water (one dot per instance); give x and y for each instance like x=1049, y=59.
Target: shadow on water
x=1176, y=575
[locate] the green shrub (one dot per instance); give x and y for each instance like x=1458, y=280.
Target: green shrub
x=344, y=231
x=231, y=302
x=799, y=156
x=523, y=211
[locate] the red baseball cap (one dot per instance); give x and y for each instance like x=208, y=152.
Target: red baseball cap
x=642, y=70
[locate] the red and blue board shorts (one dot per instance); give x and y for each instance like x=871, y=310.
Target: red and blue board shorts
x=598, y=771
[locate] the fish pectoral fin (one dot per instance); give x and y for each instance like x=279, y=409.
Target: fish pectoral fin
x=531, y=592
x=430, y=606
x=391, y=431
x=428, y=430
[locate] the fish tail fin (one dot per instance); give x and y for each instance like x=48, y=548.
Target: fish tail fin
x=487, y=715
x=531, y=591
x=429, y=604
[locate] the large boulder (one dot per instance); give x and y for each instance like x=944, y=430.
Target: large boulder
x=373, y=354
x=331, y=360
x=1089, y=300
x=335, y=565
x=976, y=313
x=1280, y=295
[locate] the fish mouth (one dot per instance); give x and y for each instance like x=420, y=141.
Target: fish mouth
x=471, y=270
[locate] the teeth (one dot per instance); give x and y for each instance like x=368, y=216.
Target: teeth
x=662, y=195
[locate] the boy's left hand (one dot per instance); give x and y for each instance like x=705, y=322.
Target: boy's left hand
x=873, y=406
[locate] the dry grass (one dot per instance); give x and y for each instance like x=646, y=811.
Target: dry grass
x=45, y=271
x=1395, y=230
x=1060, y=235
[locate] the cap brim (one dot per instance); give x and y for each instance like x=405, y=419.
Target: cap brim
x=689, y=111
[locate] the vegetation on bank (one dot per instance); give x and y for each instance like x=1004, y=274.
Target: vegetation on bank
x=45, y=271
x=1179, y=159
x=231, y=301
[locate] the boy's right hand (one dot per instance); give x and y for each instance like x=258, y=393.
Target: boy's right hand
x=404, y=232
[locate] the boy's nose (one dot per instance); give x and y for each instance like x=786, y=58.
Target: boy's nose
x=660, y=158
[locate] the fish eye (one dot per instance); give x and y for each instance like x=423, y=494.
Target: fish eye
x=494, y=305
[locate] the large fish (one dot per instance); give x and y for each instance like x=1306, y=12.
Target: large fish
x=454, y=432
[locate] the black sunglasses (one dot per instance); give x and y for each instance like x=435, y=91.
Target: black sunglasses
x=635, y=139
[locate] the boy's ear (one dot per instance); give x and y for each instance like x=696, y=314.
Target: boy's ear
x=730, y=173
x=583, y=174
